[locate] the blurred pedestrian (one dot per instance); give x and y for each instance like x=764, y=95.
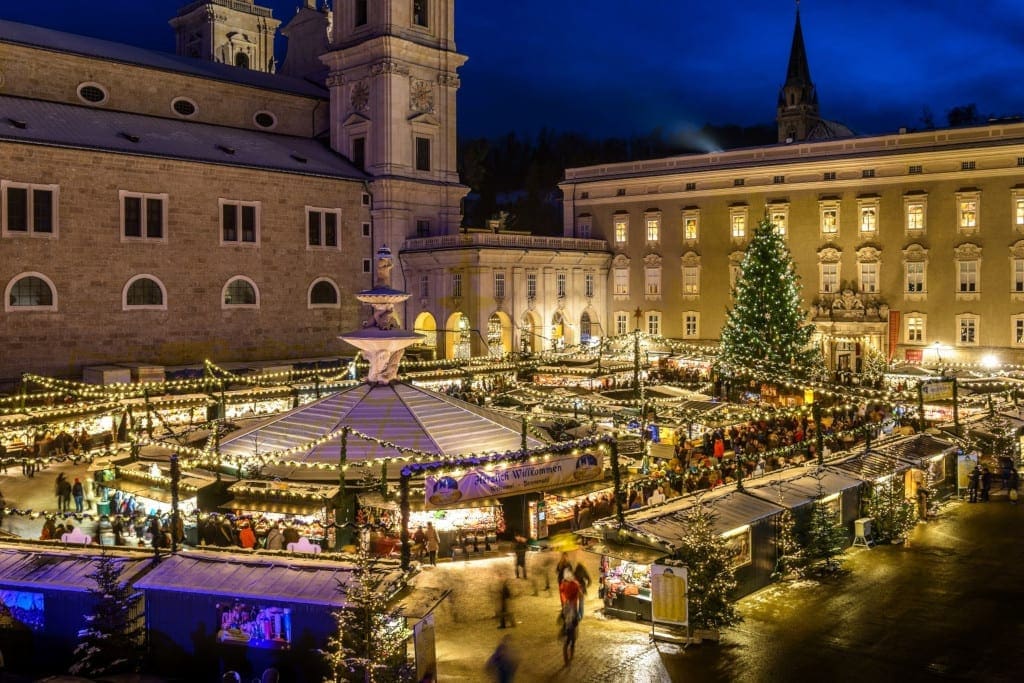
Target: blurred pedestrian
x=582, y=577
x=521, y=546
x=972, y=484
x=433, y=543
x=505, y=604
x=563, y=566
x=569, y=590
x=502, y=664
x=986, y=483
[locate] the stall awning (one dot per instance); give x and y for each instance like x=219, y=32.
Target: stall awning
x=298, y=507
x=416, y=502
x=157, y=493
x=629, y=552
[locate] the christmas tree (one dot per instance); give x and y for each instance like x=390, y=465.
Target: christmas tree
x=709, y=573
x=767, y=324
x=111, y=641
x=875, y=367
x=892, y=514
x=825, y=534
x=370, y=643
x=789, y=556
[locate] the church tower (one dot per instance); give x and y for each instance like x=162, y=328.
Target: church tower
x=392, y=77
x=230, y=31
x=797, y=113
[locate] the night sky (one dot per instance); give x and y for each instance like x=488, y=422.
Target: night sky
x=605, y=67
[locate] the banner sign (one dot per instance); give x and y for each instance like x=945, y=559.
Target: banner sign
x=936, y=391
x=668, y=595
x=964, y=464
x=480, y=482
x=894, y=333
x=913, y=355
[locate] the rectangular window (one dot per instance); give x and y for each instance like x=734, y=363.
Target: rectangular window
x=915, y=216
x=868, y=219
x=968, y=331
x=654, y=324
x=1018, y=275
x=1018, y=331
x=967, y=166
x=867, y=173
x=588, y=285
x=779, y=218
x=968, y=276
x=779, y=179
x=419, y=12
x=914, y=169
x=499, y=285
x=584, y=227
x=366, y=229
x=424, y=286
x=869, y=278
x=653, y=228
x=915, y=277
x=422, y=154
x=915, y=330
x=366, y=265
x=737, y=182
x=968, y=214
x=829, y=278
x=359, y=153
x=361, y=13
x=652, y=280
x=828, y=175
x=621, y=281
x=621, y=324
x=322, y=226
x=690, y=227
x=143, y=216
x=29, y=209
x=690, y=187
x=621, y=229
x=690, y=325
x=422, y=228
x=531, y=286
x=1018, y=213
x=560, y=285
x=240, y=223
x=691, y=280
x=829, y=220
x=738, y=221
x=456, y=285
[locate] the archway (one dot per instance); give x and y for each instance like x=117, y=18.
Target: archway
x=529, y=337
x=426, y=325
x=559, y=336
x=458, y=337
x=499, y=334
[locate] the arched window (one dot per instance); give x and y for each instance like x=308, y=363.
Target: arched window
x=242, y=60
x=144, y=291
x=240, y=292
x=323, y=294
x=30, y=291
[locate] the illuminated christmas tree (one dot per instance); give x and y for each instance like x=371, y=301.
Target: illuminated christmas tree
x=893, y=515
x=825, y=534
x=710, y=577
x=370, y=643
x=767, y=325
x=789, y=556
x=111, y=641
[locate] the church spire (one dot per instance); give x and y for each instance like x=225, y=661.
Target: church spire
x=797, y=111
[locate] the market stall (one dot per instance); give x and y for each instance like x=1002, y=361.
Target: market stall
x=624, y=582
x=798, y=490
x=307, y=509
x=129, y=488
x=933, y=462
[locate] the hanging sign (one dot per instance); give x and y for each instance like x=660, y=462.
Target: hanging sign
x=668, y=594
x=480, y=482
x=936, y=391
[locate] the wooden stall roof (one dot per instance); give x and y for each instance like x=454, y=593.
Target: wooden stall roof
x=296, y=581
x=801, y=487
x=65, y=570
x=917, y=448
x=872, y=465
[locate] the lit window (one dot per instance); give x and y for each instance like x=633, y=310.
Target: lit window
x=691, y=224
x=738, y=222
x=654, y=323
x=1018, y=213
x=29, y=209
x=652, y=280
x=829, y=278
x=621, y=323
x=779, y=216
x=560, y=288
x=968, y=327
x=691, y=324
x=968, y=211
x=1017, y=330
x=499, y=284
x=829, y=213
x=621, y=229
x=588, y=285
x=653, y=226
x=869, y=278
x=915, y=216
x=143, y=216
x=322, y=226
x=914, y=329
x=868, y=218
x=531, y=285
x=914, y=272
x=621, y=281
x=456, y=285
x=240, y=222
x=691, y=280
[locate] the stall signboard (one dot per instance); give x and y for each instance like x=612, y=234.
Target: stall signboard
x=936, y=391
x=964, y=464
x=737, y=546
x=480, y=482
x=426, y=653
x=668, y=595
x=21, y=610
x=250, y=625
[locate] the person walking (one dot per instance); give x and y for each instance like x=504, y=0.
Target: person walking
x=569, y=591
x=78, y=493
x=63, y=489
x=986, y=484
x=582, y=577
x=502, y=663
x=563, y=566
x=504, y=604
x=433, y=543
x=520, y=548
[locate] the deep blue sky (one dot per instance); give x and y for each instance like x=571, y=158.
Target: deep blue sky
x=613, y=67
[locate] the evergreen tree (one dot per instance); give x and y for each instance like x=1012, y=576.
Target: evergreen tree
x=789, y=555
x=709, y=573
x=370, y=643
x=767, y=323
x=825, y=534
x=111, y=639
x=892, y=515
x=874, y=367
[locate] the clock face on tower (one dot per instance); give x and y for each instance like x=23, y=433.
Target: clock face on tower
x=421, y=96
x=360, y=97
